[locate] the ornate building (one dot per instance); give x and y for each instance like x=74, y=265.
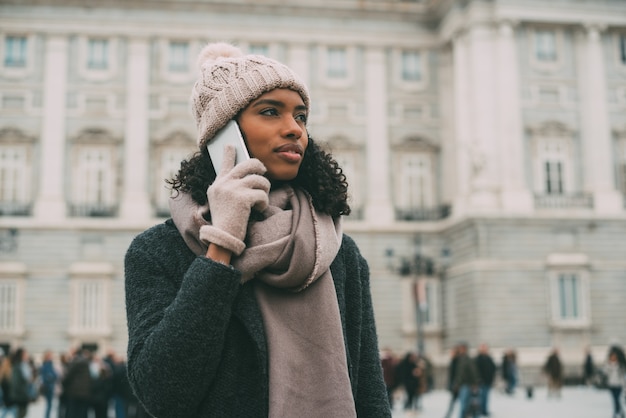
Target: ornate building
x=484, y=142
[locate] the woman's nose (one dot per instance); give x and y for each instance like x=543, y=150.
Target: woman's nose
x=293, y=129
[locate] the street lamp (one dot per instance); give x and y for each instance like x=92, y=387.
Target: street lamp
x=419, y=267
x=8, y=240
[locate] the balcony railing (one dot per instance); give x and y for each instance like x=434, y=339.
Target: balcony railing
x=93, y=210
x=162, y=211
x=564, y=201
x=356, y=214
x=423, y=214
x=15, y=209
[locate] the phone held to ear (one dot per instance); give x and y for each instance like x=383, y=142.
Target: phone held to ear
x=228, y=135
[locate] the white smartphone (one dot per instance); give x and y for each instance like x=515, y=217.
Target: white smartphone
x=230, y=134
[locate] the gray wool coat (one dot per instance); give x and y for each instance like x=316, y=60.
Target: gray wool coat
x=196, y=340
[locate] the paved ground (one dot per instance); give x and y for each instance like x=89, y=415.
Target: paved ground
x=576, y=402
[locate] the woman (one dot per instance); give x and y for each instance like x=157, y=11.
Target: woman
x=8, y=408
x=615, y=370
x=21, y=380
x=49, y=377
x=250, y=302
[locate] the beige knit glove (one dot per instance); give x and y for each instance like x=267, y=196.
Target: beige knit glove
x=236, y=190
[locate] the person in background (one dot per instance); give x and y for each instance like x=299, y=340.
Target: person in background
x=509, y=371
x=615, y=371
x=389, y=362
x=409, y=374
x=8, y=407
x=251, y=301
x=77, y=385
x=49, y=378
x=588, y=367
x=454, y=356
x=553, y=368
x=486, y=372
x=465, y=379
x=21, y=379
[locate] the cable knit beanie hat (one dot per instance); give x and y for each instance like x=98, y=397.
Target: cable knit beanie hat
x=230, y=80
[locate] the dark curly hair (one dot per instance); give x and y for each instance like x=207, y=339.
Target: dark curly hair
x=319, y=175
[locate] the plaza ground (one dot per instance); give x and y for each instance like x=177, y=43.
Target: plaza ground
x=575, y=402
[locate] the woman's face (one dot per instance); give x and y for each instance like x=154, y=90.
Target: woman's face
x=274, y=127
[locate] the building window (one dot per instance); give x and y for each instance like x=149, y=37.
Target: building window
x=259, y=49
x=15, y=51
x=416, y=181
x=570, y=297
x=622, y=48
x=8, y=306
x=337, y=63
x=420, y=302
x=15, y=195
x=621, y=165
x=97, y=54
x=429, y=302
x=94, y=181
x=553, y=162
x=411, y=66
x=169, y=164
x=89, y=306
x=179, y=56
x=545, y=45
x=347, y=160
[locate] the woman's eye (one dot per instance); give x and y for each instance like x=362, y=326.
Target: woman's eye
x=269, y=112
x=301, y=118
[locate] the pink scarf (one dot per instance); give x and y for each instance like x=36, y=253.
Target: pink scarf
x=289, y=252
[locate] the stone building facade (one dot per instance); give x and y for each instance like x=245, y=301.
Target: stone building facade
x=484, y=142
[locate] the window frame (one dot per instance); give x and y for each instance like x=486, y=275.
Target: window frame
x=21, y=187
x=14, y=274
x=408, y=286
x=397, y=66
x=101, y=275
x=350, y=159
x=338, y=82
x=621, y=163
x=559, y=43
x=404, y=187
x=543, y=155
x=97, y=74
x=94, y=140
x=581, y=276
x=175, y=147
x=20, y=71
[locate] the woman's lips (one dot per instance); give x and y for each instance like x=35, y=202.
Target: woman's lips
x=290, y=152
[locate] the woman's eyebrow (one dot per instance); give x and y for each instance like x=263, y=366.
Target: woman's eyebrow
x=276, y=103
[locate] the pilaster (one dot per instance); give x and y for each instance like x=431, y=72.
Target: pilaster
x=379, y=209
x=516, y=197
x=50, y=203
x=135, y=199
x=595, y=130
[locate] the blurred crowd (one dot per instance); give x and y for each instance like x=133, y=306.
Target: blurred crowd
x=470, y=379
x=76, y=384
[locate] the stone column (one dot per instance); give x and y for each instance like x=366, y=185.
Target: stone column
x=485, y=166
x=516, y=196
x=596, y=135
x=378, y=207
x=135, y=197
x=298, y=60
x=50, y=203
x=461, y=123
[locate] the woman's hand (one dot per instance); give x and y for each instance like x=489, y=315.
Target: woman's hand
x=236, y=190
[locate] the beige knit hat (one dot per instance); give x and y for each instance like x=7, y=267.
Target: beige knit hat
x=230, y=80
